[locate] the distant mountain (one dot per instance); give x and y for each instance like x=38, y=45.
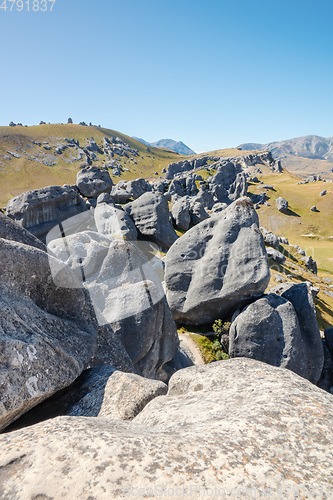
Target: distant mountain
x=310, y=146
x=177, y=146
x=142, y=140
x=308, y=154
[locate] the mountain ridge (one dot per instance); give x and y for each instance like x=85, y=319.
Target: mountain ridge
x=177, y=146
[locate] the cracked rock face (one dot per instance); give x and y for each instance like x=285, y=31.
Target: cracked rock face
x=217, y=266
x=240, y=426
x=40, y=210
x=47, y=334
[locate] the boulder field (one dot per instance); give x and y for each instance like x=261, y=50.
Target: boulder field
x=99, y=399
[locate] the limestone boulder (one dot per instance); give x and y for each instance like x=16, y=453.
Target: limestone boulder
x=40, y=210
x=92, y=181
x=48, y=333
x=217, y=265
x=237, y=428
x=151, y=216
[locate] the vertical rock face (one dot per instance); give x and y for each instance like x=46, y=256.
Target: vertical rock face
x=47, y=334
x=40, y=210
x=268, y=330
x=229, y=183
x=151, y=216
x=92, y=181
x=11, y=230
x=124, y=282
x=114, y=222
x=216, y=266
x=301, y=298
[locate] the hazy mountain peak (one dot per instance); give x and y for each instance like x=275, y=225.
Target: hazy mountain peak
x=177, y=146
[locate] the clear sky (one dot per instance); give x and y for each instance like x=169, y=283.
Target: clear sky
x=212, y=73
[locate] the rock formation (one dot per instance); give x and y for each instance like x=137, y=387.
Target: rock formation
x=217, y=265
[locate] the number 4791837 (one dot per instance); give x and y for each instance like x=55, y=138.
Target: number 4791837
x=33, y=5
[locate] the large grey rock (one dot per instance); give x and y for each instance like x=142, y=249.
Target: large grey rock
x=205, y=197
x=326, y=378
x=109, y=393
x=151, y=216
x=127, y=294
x=270, y=238
x=138, y=187
x=329, y=338
x=48, y=333
x=92, y=181
x=181, y=214
x=40, y=210
x=198, y=212
x=268, y=330
x=216, y=266
x=11, y=230
x=282, y=205
x=301, y=298
x=120, y=195
x=229, y=183
x=232, y=428
x=114, y=223
x=276, y=255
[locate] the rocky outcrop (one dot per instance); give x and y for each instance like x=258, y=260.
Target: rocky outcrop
x=11, y=230
x=217, y=265
x=276, y=255
x=138, y=187
x=282, y=205
x=270, y=238
x=40, y=210
x=301, y=298
x=229, y=183
x=109, y=393
x=92, y=181
x=113, y=222
x=151, y=216
x=126, y=293
x=48, y=334
x=268, y=330
x=180, y=214
x=237, y=427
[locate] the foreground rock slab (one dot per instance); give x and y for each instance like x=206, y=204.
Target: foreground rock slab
x=236, y=428
x=47, y=334
x=217, y=266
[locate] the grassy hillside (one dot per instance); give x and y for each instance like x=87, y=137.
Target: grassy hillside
x=18, y=175
x=313, y=231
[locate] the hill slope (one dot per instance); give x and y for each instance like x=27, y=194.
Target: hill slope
x=39, y=156
x=304, y=155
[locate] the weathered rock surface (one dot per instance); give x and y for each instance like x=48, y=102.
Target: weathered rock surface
x=216, y=266
x=114, y=222
x=40, y=210
x=276, y=255
x=282, y=205
x=301, y=298
x=151, y=216
x=180, y=213
x=113, y=394
x=268, y=330
x=229, y=183
x=237, y=427
x=92, y=181
x=120, y=195
x=11, y=230
x=48, y=334
x=270, y=238
x=138, y=187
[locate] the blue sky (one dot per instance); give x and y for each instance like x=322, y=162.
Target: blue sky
x=210, y=73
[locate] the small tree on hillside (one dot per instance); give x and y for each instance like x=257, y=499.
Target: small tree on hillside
x=69, y=120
